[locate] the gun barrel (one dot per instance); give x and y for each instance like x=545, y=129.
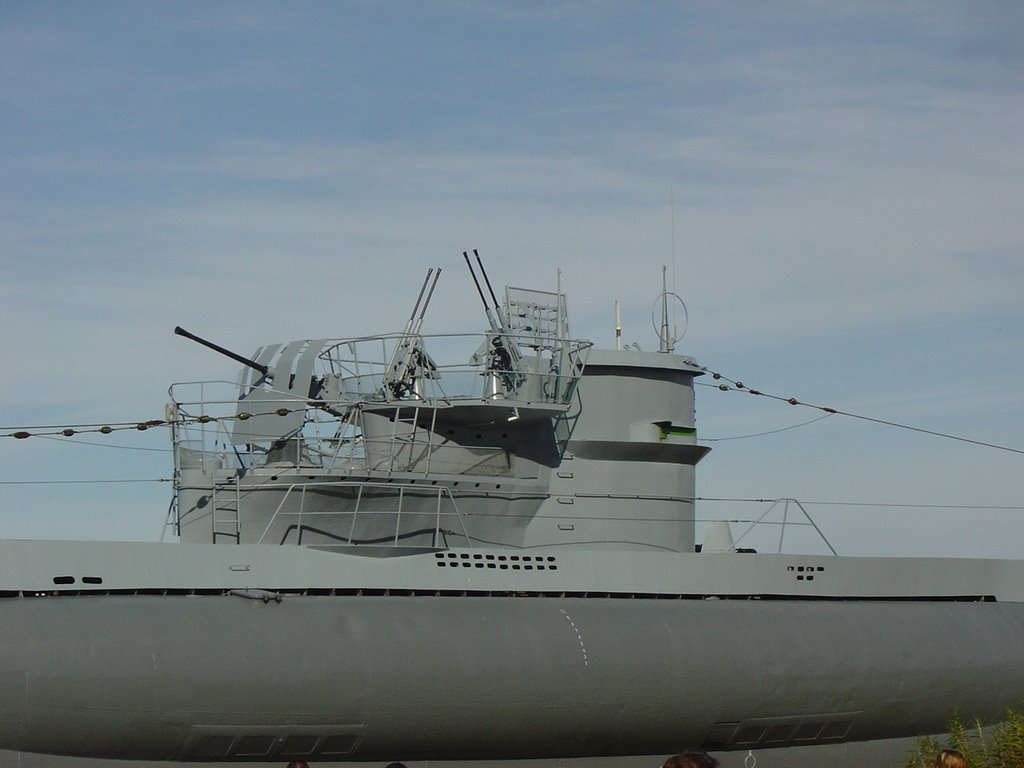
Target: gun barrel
x=226, y=352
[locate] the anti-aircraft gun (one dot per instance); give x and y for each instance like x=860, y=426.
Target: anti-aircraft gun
x=409, y=360
x=500, y=350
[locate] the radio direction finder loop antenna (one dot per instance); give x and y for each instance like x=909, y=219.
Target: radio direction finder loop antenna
x=667, y=337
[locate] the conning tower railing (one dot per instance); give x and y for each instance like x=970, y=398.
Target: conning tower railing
x=301, y=518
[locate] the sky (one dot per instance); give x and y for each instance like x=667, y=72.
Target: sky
x=836, y=189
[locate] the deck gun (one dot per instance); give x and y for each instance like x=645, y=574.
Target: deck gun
x=315, y=384
x=269, y=373
x=272, y=407
x=179, y=331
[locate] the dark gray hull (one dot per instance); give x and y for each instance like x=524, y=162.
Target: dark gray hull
x=360, y=678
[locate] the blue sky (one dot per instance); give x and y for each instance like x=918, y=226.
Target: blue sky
x=848, y=216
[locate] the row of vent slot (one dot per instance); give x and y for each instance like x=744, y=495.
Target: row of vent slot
x=502, y=558
x=262, y=745
x=735, y=735
x=499, y=566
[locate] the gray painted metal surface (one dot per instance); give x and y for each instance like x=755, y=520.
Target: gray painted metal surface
x=216, y=677
x=884, y=753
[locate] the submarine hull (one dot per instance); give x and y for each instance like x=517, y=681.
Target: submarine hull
x=227, y=677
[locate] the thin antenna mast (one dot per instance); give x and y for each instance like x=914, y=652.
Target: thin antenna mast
x=618, y=326
x=667, y=342
x=672, y=205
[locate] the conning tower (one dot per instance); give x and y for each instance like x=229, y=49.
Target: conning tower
x=372, y=442
x=627, y=475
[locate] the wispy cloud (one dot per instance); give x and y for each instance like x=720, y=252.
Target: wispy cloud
x=846, y=181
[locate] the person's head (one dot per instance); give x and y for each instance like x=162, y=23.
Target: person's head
x=691, y=758
x=950, y=758
x=298, y=764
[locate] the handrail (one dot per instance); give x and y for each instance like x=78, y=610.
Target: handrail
x=439, y=492
x=785, y=502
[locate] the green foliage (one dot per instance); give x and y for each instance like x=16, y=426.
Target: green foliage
x=1001, y=746
x=924, y=752
x=1008, y=740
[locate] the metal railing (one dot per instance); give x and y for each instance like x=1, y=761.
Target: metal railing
x=442, y=501
x=784, y=504
x=361, y=368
